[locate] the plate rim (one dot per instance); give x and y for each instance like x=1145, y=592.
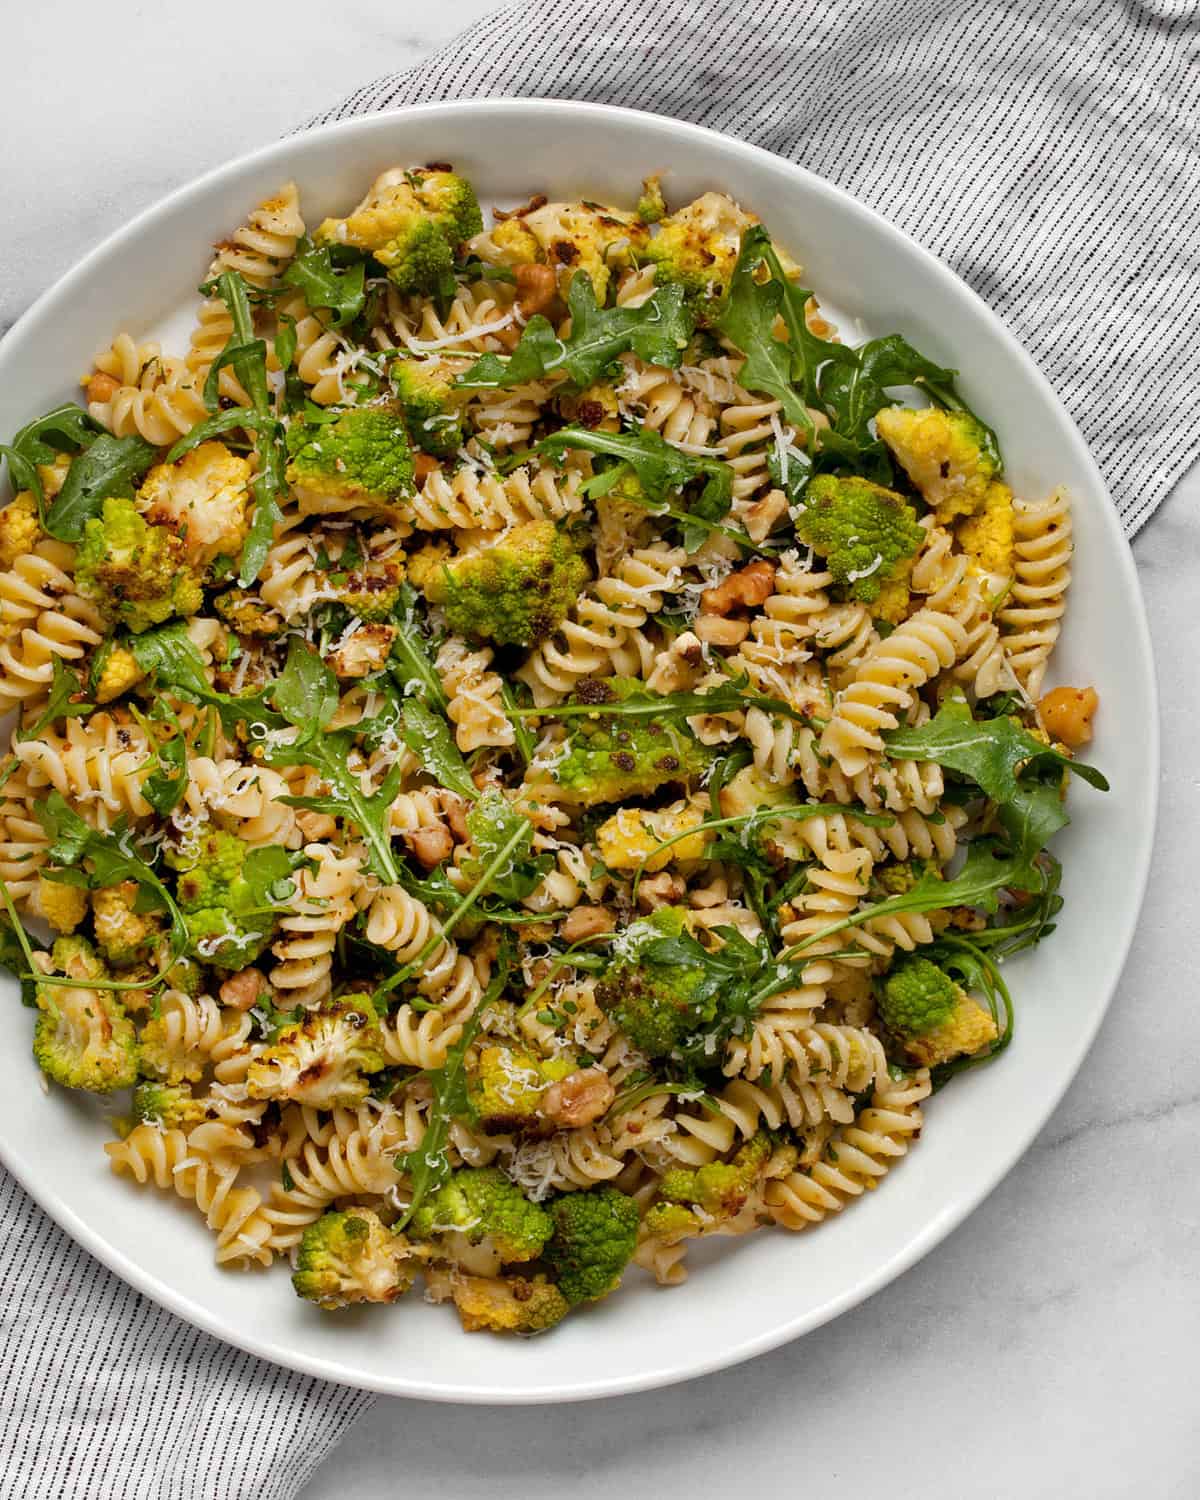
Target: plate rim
x=939, y=1226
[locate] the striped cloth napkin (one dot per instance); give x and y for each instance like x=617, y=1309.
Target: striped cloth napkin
x=1047, y=151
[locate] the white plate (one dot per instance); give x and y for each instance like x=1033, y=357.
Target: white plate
x=745, y=1296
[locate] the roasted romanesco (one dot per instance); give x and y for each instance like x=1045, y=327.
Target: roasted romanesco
x=867, y=536
x=697, y=248
x=123, y=934
x=507, y=1084
x=359, y=461
x=944, y=453
x=204, y=499
x=930, y=1015
x=586, y=237
x=83, y=1038
x=501, y=1304
x=595, y=1233
x=987, y=536
x=432, y=408
x=322, y=1060
x=652, y=1002
x=137, y=573
x=351, y=1256
x=481, y=1219
x=515, y=592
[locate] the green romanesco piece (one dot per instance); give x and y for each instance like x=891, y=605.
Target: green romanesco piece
x=135, y=572
x=651, y=206
x=515, y=592
x=411, y=222
x=944, y=453
x=171, y=1105
x=697, y=248
x=670, y=1221
x=595, y=1234
x=931, y=1016
x=323, y=1060
x=218, y=903
x=611, y=759
x=359, y=461
x=482, y=1204
x=506, y=1085
x=82, y=1038
x=720, y=1188
x=898, y=876
x=866, y=534
x=653, y=1003
x=425, y=388
x=352, y=1256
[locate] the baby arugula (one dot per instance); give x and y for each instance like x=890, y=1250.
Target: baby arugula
x=337, y=291
x=656, y=332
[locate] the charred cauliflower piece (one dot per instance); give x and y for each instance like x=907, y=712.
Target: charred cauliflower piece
x=204, y=499
x=351, y=1256
x=137, y=573
x=322, y=1061
x=943, y=453
x=697, y=248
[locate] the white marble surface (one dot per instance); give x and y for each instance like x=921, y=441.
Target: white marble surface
x=1047, y=1349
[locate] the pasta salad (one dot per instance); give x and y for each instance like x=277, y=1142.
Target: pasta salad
x=528, y=750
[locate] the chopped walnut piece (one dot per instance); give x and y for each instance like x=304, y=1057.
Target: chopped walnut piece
x=585, y=922
x=244, y=989
x=578, y=1099
x=748, y=588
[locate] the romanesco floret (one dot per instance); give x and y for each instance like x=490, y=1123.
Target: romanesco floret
x=136, y=572
x=171, y=1105
x=371, y=592
x=586, y=237
x=653, y=1003
x=63, y=906
x=517, y=246
x=720, y=1188
x=670, y=1222
x=322, y=1060
x=515, y=592
x=610, y=759
x=943, y=453
x=697, y=247
x=651, y=206
x=987, y=536
x=359, y=461
x=114, y=671
x=866, y=533
x=507, y=1083
x=502, y=1304
x=123, y=934
x=204, y=498
x=411, y=221
x=432, y=407
x=633, y=837
x=83, y=1038
x=352, y=1256
x=595, y=1233
x=224, y=928
x=20, y=529
x=930, y=1015
x=245, y=613
x=481, y=1207
x=897, y=876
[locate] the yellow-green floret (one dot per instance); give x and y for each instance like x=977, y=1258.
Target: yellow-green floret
x=247, y=614
x=351, y=1256
x=432, y=407
x=721, y=1188
x=481, y=1205
x=651, y=206
x=123, y=934
x=609, y=759
x=931, y=1016
x=361, y=460
x=411, y=222
x=114, y=671
x=944, y=453
x=171, y=1105
x=697, y=248
x=83, y=1038
x=516, y=592
x=866, y=533
x=653, y=1002
x=587, y=237
x=897, y=876
x=135, y=572
x=595, y=1233
x=322, y=1060
x=504, y=1304
x=218, y=902
x=20, y=528
x=670, y=1221
x=987, y=536
x=506, y=1085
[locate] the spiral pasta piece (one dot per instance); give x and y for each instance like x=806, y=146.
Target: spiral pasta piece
x=1031, y=618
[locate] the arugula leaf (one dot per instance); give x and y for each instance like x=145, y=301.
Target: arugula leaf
x=16, y=949
x=656, y=332
x=107, y=467
x=67, y=428
x=338, y=292
x=431, y=740
x=165, y=786
x=975, y=971
x=169, y=654
x=853, y=393
x=989, y=751
x=428, y=1164
x=494, y=826
x=306, y=691
x=748, y=321
x=412, y=663
x=523, y=742
x=630, y=700
x=67, y=700
x=284, y=342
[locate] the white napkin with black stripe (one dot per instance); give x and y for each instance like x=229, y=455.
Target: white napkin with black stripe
x=1047, y=151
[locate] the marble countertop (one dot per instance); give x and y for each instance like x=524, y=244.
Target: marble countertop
x=1047, y=1348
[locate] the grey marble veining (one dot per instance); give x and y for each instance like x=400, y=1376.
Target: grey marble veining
x=1046, y=1350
